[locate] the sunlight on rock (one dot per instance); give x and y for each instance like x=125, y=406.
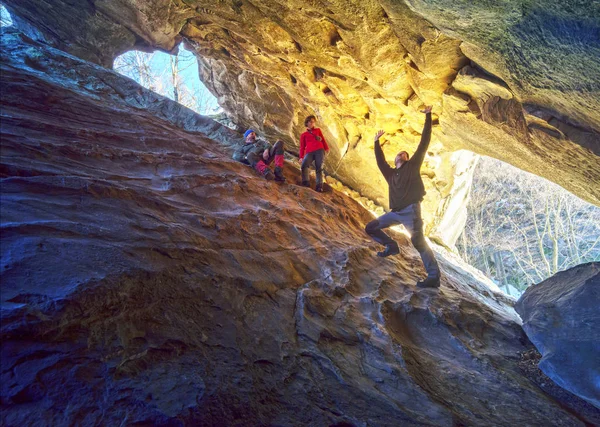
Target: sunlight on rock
x=360, y=67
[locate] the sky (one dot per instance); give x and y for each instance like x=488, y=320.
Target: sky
x=158, y=77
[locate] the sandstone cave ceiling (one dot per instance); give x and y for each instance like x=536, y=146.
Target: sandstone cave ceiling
x=518, y=81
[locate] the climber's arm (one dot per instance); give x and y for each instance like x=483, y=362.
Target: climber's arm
x=425, y=139
x=302, y=146
x=385, y=169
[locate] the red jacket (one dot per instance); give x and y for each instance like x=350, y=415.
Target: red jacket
x=309, y=142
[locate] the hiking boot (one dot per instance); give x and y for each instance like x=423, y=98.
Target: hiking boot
x=305, y=184
x=279, y=174
x=268, y=174
x=319, y=188
x=430, y=282
x=389, y=250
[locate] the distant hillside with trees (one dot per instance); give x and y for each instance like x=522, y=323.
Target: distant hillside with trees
x=522, y=229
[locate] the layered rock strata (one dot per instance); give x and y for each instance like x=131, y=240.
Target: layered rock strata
x=147, y=278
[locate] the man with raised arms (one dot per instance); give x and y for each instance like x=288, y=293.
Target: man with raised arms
x=406, y=191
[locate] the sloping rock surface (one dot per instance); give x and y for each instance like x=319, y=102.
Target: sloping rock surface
x=561, y=316
x=517, y=80
x=149, y=279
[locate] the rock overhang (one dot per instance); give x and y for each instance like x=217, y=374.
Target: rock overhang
x=363, y=66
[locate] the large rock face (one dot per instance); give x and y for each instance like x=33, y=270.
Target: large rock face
x=561, y=316
x=518, y=81
x=147, y=278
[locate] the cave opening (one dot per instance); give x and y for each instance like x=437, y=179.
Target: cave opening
x=174, y=76
x=522, y=229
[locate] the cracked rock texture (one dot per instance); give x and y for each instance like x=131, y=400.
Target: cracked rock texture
x=517, y=80
x=148, y=279
x=561, y=316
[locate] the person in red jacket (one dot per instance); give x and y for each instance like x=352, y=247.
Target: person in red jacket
x=312, y=148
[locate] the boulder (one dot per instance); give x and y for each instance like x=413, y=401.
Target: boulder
x=561, y=316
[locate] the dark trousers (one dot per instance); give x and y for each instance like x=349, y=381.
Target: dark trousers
x=318, y=157
x=410, y=217
x=275, y=153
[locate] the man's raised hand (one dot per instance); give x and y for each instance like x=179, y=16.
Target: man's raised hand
x=379, y=135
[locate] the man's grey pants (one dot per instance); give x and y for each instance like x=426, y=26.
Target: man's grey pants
x=410, y=217
x=318, y=157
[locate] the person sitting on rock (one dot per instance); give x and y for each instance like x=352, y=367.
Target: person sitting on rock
x=260, y=154
x=406, y=191
x=312, y=148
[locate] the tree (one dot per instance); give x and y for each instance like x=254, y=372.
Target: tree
x=137, y=66
x=522, y=229
x=172, y=76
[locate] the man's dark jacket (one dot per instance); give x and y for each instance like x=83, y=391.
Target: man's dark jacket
x=405, y=183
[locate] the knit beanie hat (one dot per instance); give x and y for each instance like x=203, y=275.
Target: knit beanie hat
x=248, y=132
